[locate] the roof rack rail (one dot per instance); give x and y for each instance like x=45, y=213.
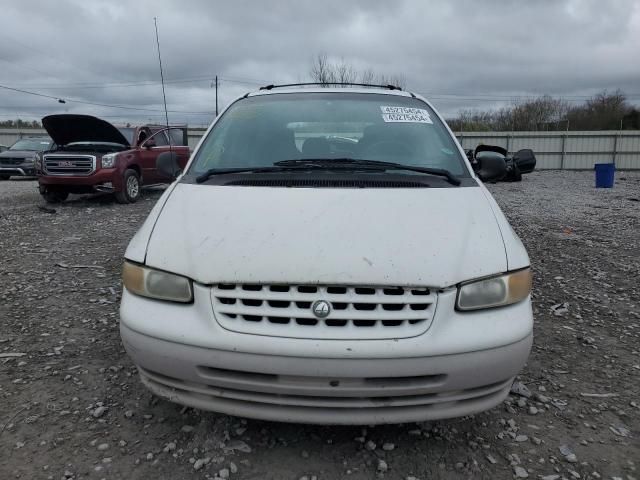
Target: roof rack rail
x=347, y=84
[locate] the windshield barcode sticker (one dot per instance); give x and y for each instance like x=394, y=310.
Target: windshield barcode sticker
x=405, y=114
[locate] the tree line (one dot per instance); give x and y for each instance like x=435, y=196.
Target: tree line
x=603, y=111
x=20, y=124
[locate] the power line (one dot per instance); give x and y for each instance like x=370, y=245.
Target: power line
x=68, y=86
x=24, y=67
x=18, y=112
x=60, y=100
x=82, y=86
x=247, y=81
x=29, y=93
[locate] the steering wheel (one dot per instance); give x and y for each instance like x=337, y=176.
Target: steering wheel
x=387, y=146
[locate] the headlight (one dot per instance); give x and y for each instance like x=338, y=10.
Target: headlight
x=152, y=283
x=37, y=161
x=495, y=291
x=109, y=160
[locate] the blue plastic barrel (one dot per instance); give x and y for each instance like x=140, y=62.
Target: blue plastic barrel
x=605, y=173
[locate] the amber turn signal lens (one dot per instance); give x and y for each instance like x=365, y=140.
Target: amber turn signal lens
x=520, y=284
x=497, y=291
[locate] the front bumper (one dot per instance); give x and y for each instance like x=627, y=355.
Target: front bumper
x=21, y=170
x=435, y=375
x=94, y=182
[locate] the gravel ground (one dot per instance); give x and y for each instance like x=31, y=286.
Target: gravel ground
x=72, y=406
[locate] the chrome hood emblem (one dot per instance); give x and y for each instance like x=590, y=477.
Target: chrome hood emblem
x=321, y=309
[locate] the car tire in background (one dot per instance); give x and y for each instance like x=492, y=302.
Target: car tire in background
x=131, y=188
x=5, y=177
x=54, y=197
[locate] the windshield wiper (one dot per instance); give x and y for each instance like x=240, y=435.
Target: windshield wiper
x=221, y=171
x=282, y=166
x=348, y=163
x=330, y=164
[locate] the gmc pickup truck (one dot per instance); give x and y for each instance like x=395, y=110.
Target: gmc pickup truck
x=92, y=155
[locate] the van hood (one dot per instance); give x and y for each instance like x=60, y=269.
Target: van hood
x=69, y=128
x=420, y=237
x=18, y=154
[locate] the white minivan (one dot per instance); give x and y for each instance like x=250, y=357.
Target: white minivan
x=328, y=255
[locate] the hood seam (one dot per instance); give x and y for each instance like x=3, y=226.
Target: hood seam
x=155, y=221
x=486, y=194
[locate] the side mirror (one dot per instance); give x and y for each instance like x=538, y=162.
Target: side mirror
x=470, y=155
x=167, y=165
x=525, y=160
x=490, y=166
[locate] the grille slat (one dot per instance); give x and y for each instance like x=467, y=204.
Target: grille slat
x=357, y=312
x=12, y=161
x=348, y=313
x=350, y=297
x=69, y=164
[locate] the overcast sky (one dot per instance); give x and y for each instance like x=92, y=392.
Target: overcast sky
x=460, y=54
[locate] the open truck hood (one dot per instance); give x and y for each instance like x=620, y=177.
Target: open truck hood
x=69, y=128
x=428, y=237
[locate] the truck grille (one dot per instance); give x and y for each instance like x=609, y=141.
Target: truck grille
x=69, y=164
x=356, y=312
x=11, y=161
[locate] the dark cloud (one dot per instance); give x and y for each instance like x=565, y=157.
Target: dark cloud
x=462, y=54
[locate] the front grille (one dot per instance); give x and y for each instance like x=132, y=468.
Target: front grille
x=11, y=161
x=357, y=312
x=69, y=164
x=321, y=386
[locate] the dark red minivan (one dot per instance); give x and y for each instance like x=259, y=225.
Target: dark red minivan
x=92, y=155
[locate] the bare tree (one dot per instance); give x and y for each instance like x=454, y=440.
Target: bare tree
x=323, y=71
x=367, y=76
x=320, y=70
x=345, y=73
x=604, y=111
x=538, y=114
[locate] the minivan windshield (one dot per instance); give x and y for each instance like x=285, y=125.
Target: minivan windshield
x=262, y=130
x=32, y=145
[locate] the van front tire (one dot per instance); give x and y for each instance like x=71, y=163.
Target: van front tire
x=131, y=188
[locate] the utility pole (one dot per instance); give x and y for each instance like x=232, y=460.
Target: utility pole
x=216, y=95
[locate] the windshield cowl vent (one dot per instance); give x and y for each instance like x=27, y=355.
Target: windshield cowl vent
x=325, y=183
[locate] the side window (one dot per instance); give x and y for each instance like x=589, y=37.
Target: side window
x=161, y=139
x=178, y=136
